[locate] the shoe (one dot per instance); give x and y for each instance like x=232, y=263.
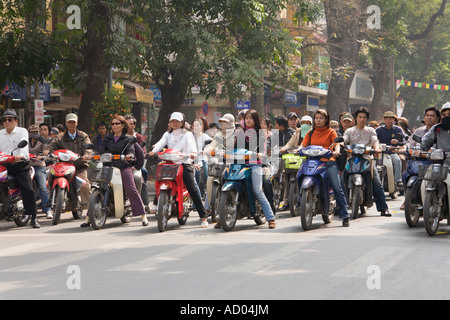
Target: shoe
x=204, y=224
x=49, y=214
x=147, y=209
x=35, y=223
x=386, y=213
x=272, y=224
x=345, y=222
x=144, y=220
x=402, y=207
x=85, y=224
x=217, y=225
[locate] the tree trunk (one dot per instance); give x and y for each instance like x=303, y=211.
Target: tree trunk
x=343, y=19
x=381, y=65
x=93, y=64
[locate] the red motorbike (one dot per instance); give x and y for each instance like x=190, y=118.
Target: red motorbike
x=60, y=175
x=173, y=197
x=16, y=210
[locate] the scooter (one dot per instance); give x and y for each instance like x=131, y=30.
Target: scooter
x=292, y=163
x=385, y=169
x=236, y=197
x=436, y=205
x=414, y=196
x=107, y=198
x=358, y=178
x=60, y=176
x=215, y=171
x=312, y=179
x=16, y=210
x=173, y=197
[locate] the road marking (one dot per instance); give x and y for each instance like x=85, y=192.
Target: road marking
x=383, y=257
x=24, y=248
x=72, y=257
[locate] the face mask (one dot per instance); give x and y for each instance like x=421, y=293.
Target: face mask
x=446, y=123
x=304, y=129
x=242, y=122
x=34, y=135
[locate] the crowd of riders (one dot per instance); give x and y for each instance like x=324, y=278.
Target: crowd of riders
x=200, y=140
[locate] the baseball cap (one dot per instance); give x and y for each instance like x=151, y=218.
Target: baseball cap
x=292, y=114
x=72, y=117
x=389, y=114
x=306, y=118
x=347, y=116
x=177, y=116
x=228, y=117
x=445, y=106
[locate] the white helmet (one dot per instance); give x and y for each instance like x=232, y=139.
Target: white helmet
x=445, y=106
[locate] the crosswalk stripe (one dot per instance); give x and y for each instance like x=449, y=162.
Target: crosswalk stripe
x=71, y=257
x=383, y=257
x=23, y=248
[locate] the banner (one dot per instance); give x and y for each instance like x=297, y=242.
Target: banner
x=416, y=84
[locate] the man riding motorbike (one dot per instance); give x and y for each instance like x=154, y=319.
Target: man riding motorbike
x=367, y=136
x=10, y=137
x=388, y=134
x=439, y=134
x=75, y=141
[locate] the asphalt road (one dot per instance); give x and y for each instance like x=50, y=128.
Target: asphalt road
x=375, y=258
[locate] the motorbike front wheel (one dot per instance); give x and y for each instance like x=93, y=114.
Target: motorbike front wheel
x=214, y=201
x=294, y=208
x=356, y=199
x=306, y=214
x=412, y=213
x=431, y=213
x=97, y=216
x=163, y=210
x=22, y=219
x=227, y=210
x=60, y=195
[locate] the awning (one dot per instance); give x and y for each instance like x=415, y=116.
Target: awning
x=316, y=91
x=142, y=95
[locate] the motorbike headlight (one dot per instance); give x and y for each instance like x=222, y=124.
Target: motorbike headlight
x=315, y=152
x=170, y=157
x=106, y=157
x=358, y=150
x=437, y=155
x=65, y=156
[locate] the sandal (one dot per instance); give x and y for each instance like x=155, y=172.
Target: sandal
x=272, y=224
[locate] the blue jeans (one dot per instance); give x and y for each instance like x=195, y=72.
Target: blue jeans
x=41, y=179
x=257, y=184
x=397, y=163
x=335, y=183
x=378, y=190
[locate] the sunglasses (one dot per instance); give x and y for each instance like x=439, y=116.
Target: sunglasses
x=116, y=123
x=8, y=119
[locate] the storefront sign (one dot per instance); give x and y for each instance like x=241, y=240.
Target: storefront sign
x=144, y=95
x=312, y=103
x=14, y=91
x=38, y=111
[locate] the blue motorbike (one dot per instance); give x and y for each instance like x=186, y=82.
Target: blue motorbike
x=236, y=197
x=412, y=185
x=312, y=178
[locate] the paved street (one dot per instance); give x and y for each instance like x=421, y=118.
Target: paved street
x=375, y=258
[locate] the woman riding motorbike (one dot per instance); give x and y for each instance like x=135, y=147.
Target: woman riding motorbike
x=322, y=135
x=250, y=135
x=119, y=142
x=180, y=139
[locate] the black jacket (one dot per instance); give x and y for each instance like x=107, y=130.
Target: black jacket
x=124, y=146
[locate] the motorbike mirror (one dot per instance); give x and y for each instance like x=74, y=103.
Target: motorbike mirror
x=416, y=138
x=339, y=139
x=88, y=146
x=143, y=144
x=43, y=140
x=22, y=144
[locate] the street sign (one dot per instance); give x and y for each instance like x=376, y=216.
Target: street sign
x=242, y=105
x=205, y=108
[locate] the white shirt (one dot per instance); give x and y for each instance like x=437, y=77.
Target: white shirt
x=9, y=141
x=180, y=140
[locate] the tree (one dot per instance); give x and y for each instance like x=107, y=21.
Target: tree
x=204, y=43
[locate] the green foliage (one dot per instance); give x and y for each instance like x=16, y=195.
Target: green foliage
x=115, y=101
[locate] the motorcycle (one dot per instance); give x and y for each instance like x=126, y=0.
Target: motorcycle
x=385, y=169
x=236, y=197
x=436, y=204
x=413, y=193
x=291, y=164
x=215, y=171
x=312, y=179
x=16, y=210
x=358, y=178
x=107, y=198
x=60, y=176
x=173, y=197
